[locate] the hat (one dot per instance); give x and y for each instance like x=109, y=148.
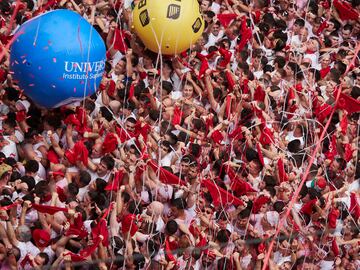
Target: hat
x=41, y=238
x=22, y=105
x=4, y=168
x=321, y=182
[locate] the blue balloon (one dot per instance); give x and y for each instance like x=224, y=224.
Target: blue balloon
x=57, y=58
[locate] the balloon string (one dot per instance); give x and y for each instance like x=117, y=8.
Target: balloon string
x=317, y=148
x=12, y=19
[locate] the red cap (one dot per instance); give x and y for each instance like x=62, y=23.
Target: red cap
x=321, y=182
x=41, y=238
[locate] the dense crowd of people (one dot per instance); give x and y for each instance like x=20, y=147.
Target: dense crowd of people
x=191, y=161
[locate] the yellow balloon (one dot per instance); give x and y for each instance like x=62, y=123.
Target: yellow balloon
x=168, y=27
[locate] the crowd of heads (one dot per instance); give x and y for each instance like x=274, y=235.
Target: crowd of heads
x=195, y=161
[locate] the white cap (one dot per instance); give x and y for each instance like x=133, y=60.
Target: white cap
x=23, y=105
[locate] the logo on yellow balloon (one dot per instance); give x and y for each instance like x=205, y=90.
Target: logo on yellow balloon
x=173, y=12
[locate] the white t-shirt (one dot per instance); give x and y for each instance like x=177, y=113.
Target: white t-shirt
x=213, y=39
x=34, y=250
x=10, y=149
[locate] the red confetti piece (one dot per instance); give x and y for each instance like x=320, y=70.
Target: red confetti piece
x=23, y=56
x=54, y=60
x=31, y=84
x=74, y=89
x=16, y=62
x=46, y=48
x=49, y=42
x=24, y=61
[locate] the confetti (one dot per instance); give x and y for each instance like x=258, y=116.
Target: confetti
x=74, y=89
x=54, y=60
x=31, y=84
x=24, y=61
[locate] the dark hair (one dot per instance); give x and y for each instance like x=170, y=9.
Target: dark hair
x=41, y=188
x=45, y=257
x=84, y=177
x=280, y=61
x=10, y=161
x=179, y=203
x=10, y=122
x=89, y=105
x=109, y=162
x=32, y=166
x=251, y=154
x=138, y=260
x=245, y=213
x=100, y=185
x=171, y=227
x=53, y=120
x=209, y=13
x=134, y=207
x=355, y=92
x=223, y=236
x=279, y=206
x=106, y=113
x=300, y=22
x=167, y=86
x=72, y=189
x=30, y=181
x=154, y=114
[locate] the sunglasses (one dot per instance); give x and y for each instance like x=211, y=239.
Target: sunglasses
x=206, y=211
